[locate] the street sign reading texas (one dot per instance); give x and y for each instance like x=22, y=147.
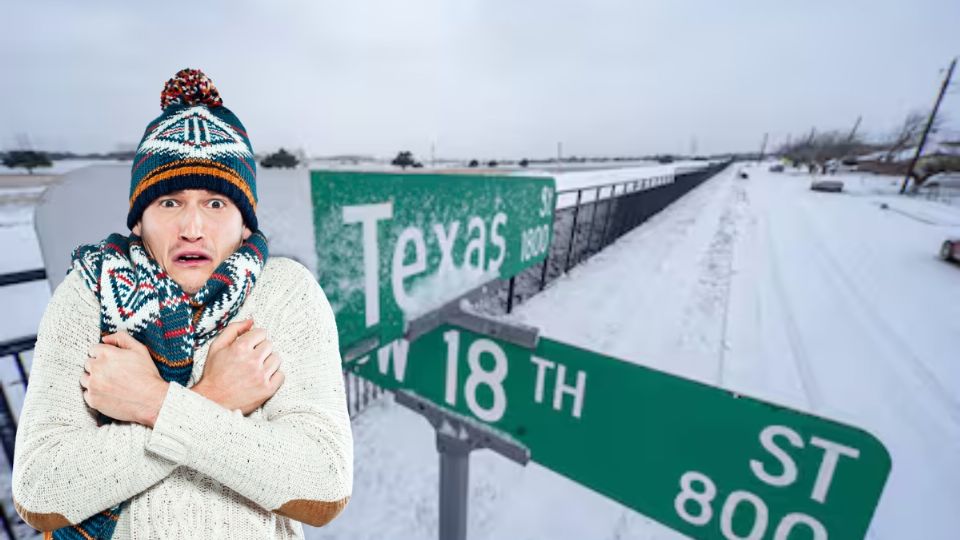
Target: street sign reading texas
x=391, y=247
x=702, y=460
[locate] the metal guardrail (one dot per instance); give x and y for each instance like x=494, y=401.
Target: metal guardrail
x=14, y=348
x=599, y=216
x=580, y=230
x=15, y=278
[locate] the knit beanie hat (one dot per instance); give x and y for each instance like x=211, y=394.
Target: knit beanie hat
x=195, y=143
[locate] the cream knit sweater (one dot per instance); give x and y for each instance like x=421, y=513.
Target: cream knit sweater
x=203, y=471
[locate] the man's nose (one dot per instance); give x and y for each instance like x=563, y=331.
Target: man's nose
x=191, y=223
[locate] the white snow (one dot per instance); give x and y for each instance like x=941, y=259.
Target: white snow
x=646, y=175
x=62, y=166
x=828, y=303
x=437, y=289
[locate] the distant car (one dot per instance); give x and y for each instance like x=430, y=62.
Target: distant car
x=950, y=250
x=834, y=186
x=776, y=168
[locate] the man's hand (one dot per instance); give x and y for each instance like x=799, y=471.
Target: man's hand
x=242, y=370
x=121, y=380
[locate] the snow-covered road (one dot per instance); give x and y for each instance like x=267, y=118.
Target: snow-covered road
x=823, y=302
x=841, y=307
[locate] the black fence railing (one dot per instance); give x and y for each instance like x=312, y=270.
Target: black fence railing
x=15, y=349
x=8, y=422
x=587, y=220
x=590, y=218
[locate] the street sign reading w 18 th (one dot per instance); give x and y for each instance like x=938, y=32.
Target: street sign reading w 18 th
x=392, y=247
x=704, y=461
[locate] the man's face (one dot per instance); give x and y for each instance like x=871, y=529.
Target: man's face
x=190, y=232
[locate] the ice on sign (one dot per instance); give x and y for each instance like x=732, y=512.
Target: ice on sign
x=702, y=460
x=391, y=247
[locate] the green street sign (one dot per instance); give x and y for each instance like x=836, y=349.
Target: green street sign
x=392, y=247
x=705, y=461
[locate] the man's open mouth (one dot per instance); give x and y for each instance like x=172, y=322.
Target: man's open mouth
x=192, y=259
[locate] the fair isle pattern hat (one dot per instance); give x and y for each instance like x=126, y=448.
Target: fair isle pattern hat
x=196, y=143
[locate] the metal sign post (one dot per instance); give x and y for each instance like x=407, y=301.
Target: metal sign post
x=710, y=463
x=702, y=460
x=394, y=249
x=458, y=435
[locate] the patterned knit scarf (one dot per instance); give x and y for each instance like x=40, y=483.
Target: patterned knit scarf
x=137, y=296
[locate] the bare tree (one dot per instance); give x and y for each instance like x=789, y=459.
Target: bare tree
x=908, y=134
x=818, y=149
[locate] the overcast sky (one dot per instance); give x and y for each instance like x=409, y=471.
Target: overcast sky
x=482, y=79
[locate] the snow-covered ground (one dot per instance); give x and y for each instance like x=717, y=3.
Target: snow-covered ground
x=824, y=302
x=61, y=166
x=636, y=177
x=830, y=303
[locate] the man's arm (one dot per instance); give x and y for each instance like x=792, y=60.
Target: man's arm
x=297, y=460
x=66, y=468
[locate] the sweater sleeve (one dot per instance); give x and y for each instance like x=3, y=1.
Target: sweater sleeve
x=66, y=468
x=295, y=459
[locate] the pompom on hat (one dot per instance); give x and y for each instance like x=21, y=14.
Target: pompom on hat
x=195, y=143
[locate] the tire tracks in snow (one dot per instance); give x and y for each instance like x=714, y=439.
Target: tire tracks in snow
x=801, y=359
x=872, y=316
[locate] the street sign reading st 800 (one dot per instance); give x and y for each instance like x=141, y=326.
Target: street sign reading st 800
x=702, y=460
x=391, y=247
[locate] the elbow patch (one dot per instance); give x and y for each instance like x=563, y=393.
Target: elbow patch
x=315, y=513
x=41, y=522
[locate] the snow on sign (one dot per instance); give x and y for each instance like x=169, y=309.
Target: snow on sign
x=702, y=460
x=391, y=247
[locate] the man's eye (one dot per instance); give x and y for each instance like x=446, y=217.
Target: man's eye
x=217, y=203
x=168, y=203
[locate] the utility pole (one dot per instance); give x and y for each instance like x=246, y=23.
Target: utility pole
x=926, y=130
x=853, y=132
x=559, y=152
x=849, y=149
x=763, y=147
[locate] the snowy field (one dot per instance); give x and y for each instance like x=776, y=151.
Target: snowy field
x=829, y=303
x=824, y=302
